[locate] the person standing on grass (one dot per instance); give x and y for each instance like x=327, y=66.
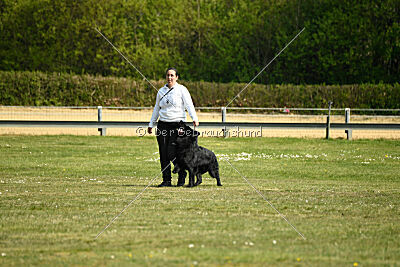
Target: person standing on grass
x=172, y=101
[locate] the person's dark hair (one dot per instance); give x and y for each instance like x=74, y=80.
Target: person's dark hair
x=176, y=71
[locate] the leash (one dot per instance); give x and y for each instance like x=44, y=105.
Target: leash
x=166, y=93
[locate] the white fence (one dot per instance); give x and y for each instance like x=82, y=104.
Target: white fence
x=296, y=122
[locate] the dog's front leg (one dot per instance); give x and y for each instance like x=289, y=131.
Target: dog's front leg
x=191, y=179
x=199, y=179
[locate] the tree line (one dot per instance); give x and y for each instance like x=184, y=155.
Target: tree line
x=344, y=42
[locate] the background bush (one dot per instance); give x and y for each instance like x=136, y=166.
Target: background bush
x=345, y=42
x=37, y=88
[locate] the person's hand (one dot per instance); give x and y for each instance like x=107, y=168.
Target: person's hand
x=149, y=130
x=195, y=123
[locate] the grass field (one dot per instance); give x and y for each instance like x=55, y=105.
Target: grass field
x=58, y=192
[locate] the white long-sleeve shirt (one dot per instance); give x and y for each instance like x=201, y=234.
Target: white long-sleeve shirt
x=171, y=107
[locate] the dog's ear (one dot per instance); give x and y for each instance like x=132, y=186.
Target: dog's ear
x=180, y=131
x=195, y=135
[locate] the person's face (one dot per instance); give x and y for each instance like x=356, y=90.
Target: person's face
x=171, y=78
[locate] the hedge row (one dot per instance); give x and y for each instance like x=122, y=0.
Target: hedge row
x=60, y=89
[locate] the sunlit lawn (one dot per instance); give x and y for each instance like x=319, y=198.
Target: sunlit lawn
x=59, y=192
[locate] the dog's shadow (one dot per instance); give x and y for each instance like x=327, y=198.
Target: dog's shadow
x=173, y=186
x=141, y=185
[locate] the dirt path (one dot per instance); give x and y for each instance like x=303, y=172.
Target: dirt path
x=90, y=114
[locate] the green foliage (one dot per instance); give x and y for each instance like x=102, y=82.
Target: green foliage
x=345, y=42
x=61, y=89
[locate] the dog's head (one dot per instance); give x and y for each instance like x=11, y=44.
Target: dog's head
x=186, y=136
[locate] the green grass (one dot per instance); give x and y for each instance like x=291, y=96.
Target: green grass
x=59, y=192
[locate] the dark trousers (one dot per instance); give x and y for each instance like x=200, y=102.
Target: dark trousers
x=165, y=133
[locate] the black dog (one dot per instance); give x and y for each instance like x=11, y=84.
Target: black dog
x=192, y=157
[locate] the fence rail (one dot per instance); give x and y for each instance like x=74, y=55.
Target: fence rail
x=124, y=124
x=120, y=117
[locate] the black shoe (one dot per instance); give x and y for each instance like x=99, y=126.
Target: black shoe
x=181, y=178
x=165, y=184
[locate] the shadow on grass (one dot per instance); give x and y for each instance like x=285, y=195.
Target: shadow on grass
x=173, y=186
x=152, y=186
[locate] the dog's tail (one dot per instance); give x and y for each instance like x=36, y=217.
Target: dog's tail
x=214, y=170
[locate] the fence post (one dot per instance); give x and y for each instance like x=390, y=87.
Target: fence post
x=99, y=118
x=223, y=111
x=328, y=120
x=347, y=120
